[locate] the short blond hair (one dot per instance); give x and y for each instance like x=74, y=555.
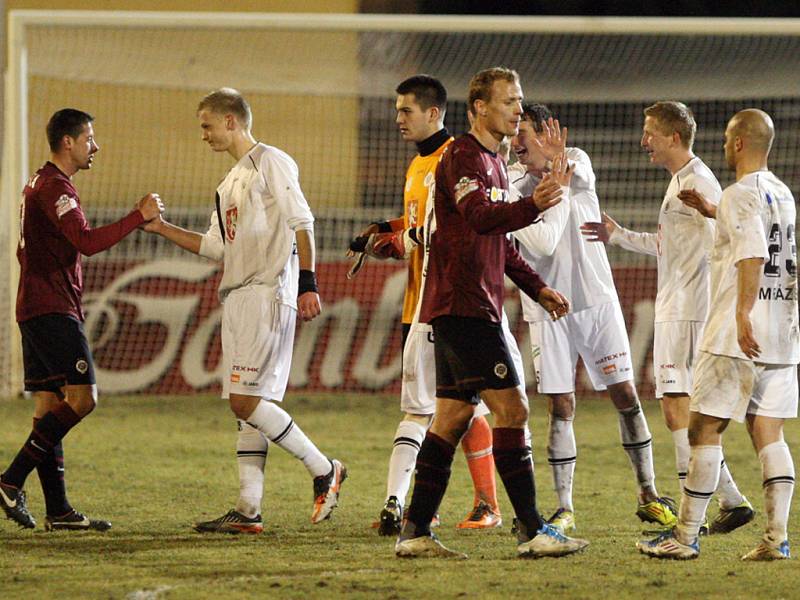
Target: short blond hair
x=480, y=86
x=673, y=117
x=228, y=101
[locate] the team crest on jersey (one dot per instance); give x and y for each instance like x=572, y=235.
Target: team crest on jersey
x=412, y=213
x=64, y=204
x=82, y=366
x=231, y=216
x=465, y=186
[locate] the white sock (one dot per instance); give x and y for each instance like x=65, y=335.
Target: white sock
x=728, y=494
x=407, y=441
x=701, y=482
x=274, y=422
x=680, y=437
x=251, y=454
x=562, y=455
x=778, y=472
x=638, y=443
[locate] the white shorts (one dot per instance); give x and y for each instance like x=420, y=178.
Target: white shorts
x=675, y=346
x=730, y=388
x=596, y=334
x=257, y=341
x=418, y=392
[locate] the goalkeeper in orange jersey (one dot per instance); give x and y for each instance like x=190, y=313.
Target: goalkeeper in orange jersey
x=421, y=104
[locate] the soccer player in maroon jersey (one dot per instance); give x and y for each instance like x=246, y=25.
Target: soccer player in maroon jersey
x=58, y=363
x=469, y=256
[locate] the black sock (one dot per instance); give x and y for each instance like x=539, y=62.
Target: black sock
x=46, y=433
x=432, y=475
x=512, y=459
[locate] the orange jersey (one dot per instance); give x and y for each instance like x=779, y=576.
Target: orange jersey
x=420, y=179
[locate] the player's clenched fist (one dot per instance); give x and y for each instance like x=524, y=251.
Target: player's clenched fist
x=150, y=206
x=309, y=305
x=554, y=302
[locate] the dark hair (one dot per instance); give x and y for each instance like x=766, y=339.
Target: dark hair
x=428, y=91
x=536, y=113
x=67, y=121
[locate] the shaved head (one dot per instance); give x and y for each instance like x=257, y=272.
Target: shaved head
x=755, y=127
x=748, y=139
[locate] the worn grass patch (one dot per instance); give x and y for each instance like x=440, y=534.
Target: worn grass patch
x=154, y=465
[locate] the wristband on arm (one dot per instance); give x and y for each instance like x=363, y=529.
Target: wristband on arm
x=307, y=282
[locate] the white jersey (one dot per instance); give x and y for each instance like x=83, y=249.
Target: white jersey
x=261, y=206
x=756, y=219
x=682, y=246
x=555, y=247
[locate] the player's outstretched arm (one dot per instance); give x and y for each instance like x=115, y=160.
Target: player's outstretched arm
x=694, y=199
x=610, y=232
x=308, y=302
x=186, y=239
x=90, y=240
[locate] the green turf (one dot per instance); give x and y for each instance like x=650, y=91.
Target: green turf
x=153, y=465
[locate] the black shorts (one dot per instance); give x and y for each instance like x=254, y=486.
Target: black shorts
x=471, y=355
x=55, y=353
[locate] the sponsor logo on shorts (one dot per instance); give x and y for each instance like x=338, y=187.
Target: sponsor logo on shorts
x=609, y=369
x=465, y=186
x=235, y=377
x=665, y=381
x=82, y=366
x=501, y=370
x=64, y=204
x=609, y=358
x=244, y=369
x=668, y=366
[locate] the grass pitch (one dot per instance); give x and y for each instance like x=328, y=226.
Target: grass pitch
x=154, y=465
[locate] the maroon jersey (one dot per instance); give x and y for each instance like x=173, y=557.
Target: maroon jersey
x=53, y=235
x=469, y=250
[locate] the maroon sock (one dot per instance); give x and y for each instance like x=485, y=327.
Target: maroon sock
x=46, y=434
x=512, y=459
x=432, y=475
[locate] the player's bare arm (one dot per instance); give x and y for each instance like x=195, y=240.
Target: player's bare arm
x=186, y=239
x=696, y=200
x=308, y=302
x=599, y=232
x=748, y=278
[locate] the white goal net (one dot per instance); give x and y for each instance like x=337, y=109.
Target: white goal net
x=322, y=89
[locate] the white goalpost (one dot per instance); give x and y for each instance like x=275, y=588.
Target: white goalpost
x=322, y=89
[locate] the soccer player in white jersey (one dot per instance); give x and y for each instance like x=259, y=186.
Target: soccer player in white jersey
x=595, y=328
x=747, y=369
x=263, y=231
x=681, y=247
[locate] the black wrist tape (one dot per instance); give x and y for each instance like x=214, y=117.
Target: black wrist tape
x=383, y=226
x=307, y=282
